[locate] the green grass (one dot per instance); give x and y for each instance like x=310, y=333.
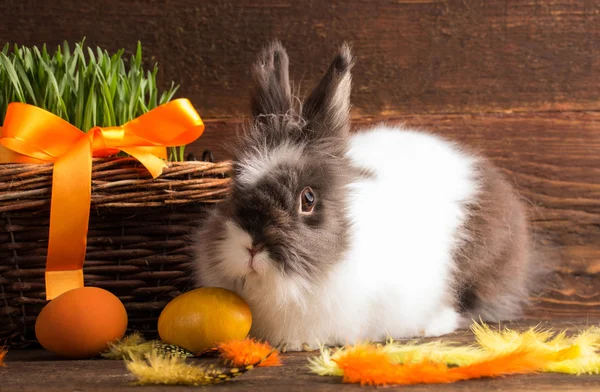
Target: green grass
x=84, y=86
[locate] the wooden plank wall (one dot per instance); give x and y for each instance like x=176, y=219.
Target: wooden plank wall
x=517, y=79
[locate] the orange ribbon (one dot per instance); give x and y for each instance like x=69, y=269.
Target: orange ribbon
x=34, y=135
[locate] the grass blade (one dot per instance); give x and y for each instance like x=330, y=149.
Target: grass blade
x=80, y=102
x=89, y=116
x=12, y=76
x=61, y=108
x=25, y=82
x=109, y=118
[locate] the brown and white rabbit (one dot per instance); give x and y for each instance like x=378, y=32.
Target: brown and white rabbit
x=335, y=238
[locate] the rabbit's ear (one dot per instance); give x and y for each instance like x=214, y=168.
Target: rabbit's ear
x=327, y=109
x=272, y=92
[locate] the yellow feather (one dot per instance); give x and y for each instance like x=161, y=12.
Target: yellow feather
x=158, y=367
x=506, y=340
x=131, y=345
x=325, y=365
x=577, y=366
x=573, y=355
x=166, y=370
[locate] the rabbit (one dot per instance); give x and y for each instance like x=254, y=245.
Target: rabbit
x=336, y=237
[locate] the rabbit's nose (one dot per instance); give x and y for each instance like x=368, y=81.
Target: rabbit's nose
x=254, y=250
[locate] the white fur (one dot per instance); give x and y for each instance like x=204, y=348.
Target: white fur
x=260, y=162
x=236, y=259
x=393, y=281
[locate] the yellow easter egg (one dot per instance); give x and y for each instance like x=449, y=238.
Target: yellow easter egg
x=204, y=317
x=81, y=323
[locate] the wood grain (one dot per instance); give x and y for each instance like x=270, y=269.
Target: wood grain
x=518, y=80
x=419, y=56
x=35, y=370
x=553, y=159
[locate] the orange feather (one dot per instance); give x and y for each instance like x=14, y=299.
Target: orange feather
x=3, y=351
x=370, y=366
x=249, y=351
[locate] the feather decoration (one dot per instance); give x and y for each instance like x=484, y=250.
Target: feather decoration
x=325, y=364
x=452, y=354
x=134, y=345
x=437, y=351
x=249, y=351
x=3, y=352
x=155, y=367
x=492, y=355
x=131, y=345
x=583, y=349
x=371, y=366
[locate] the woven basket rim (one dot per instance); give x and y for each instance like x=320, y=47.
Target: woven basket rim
x=119, y=182
x=100, y=160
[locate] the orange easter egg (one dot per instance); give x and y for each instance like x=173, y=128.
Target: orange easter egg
x=204, y=317
x=81, y=323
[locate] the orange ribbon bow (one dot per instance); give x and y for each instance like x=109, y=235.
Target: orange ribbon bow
x=34, y=135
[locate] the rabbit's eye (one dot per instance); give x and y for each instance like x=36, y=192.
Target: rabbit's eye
x=307, y=200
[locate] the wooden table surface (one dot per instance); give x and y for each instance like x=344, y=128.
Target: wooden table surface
x=37, y=370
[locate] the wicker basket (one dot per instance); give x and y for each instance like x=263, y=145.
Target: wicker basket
x=137, y=245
